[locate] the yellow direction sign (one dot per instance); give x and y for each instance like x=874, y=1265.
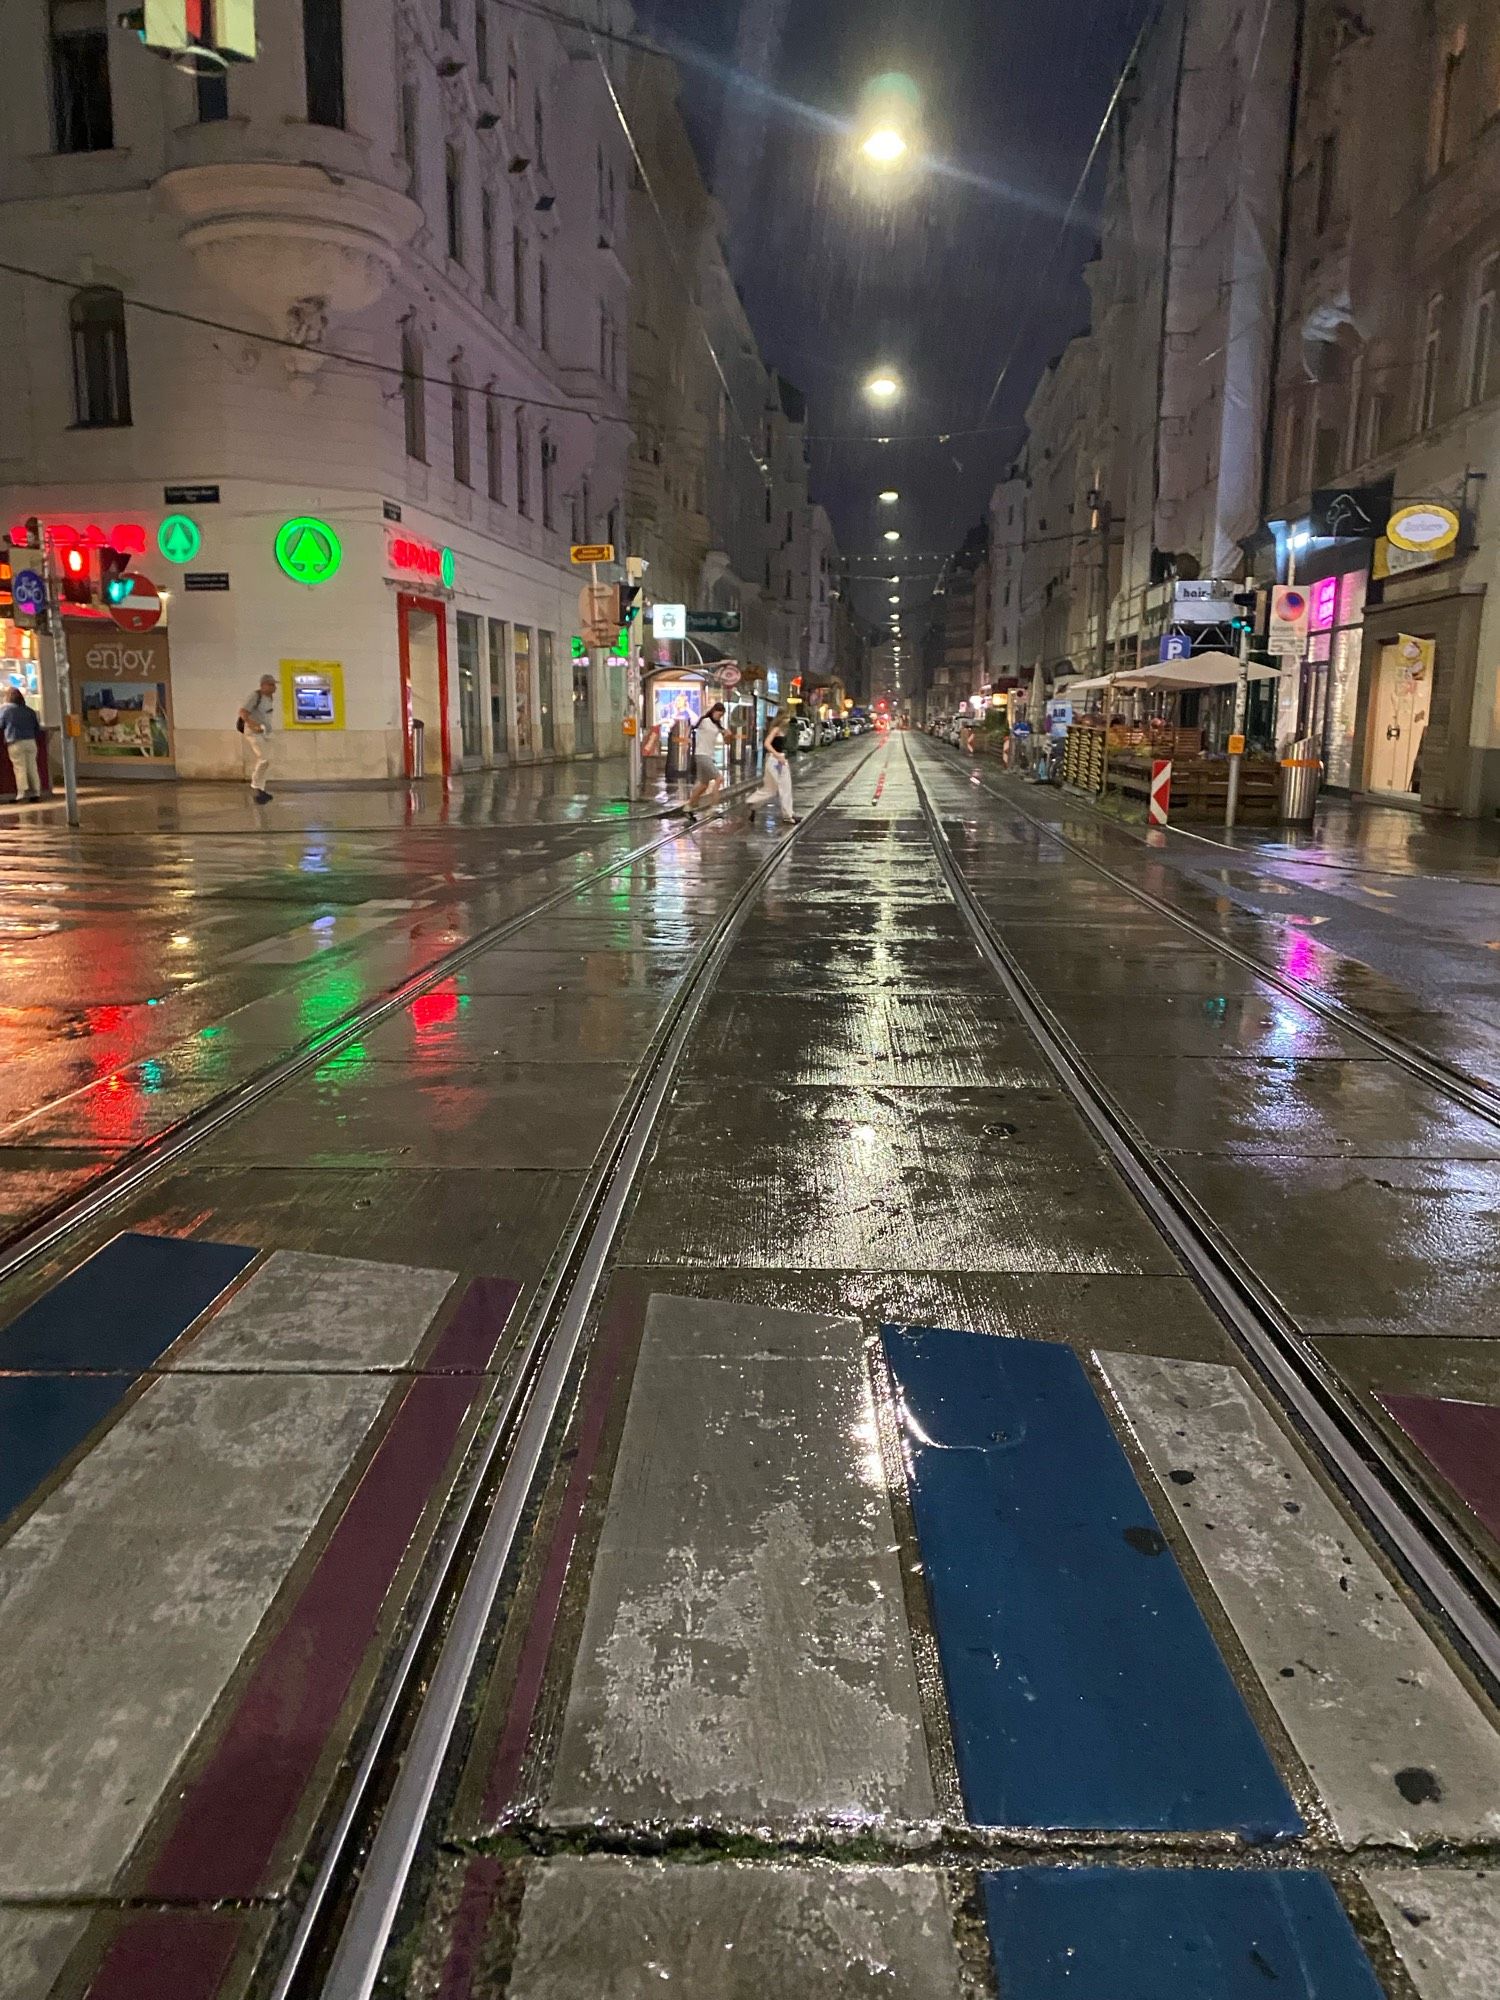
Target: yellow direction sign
x=593, y=552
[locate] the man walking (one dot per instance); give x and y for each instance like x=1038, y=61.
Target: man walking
x=255, y=721
x=709, y=739
x=21, y=731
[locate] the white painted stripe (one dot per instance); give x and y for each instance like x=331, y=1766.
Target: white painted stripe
x=309, y=1312
x=1446, y=1926
x=1396, y=1745
x=128, y=1599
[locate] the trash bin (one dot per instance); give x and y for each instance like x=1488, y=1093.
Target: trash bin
x=1301, y=777
x=680, y=751
x=418, y=748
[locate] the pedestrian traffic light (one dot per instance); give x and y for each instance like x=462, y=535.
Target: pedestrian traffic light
x=1246, y=603
x=113, y=579
x=77, y=577
x=629, y=606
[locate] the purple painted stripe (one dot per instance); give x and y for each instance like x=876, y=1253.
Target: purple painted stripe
x=184, y=1953
x=1463, y=1442
x=237, y=1810
x=471, y=1920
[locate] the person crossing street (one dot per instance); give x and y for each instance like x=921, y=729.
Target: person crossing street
x=709, y=740
x=21, y=731
x=255, y=719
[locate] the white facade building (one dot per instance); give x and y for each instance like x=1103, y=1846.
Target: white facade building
x=372, y=282
x=1007, y=559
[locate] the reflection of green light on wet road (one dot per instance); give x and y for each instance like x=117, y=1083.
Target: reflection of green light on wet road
x=153, y=1077
x=344, y=1063
x=334, y=996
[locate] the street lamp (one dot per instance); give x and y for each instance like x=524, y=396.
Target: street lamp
x=893, y=534
x=885, y=146
x=893, y=599
x=883, y=387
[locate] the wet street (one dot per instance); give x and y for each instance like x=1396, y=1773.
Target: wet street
x=909, y=1406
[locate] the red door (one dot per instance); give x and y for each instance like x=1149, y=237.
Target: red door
x=422, y=624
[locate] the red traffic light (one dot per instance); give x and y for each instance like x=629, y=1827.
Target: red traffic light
x=74, y=558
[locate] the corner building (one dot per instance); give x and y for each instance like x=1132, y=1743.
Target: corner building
x=372, y=283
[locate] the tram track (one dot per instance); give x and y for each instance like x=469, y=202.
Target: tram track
x=1407, y=1518
x=1469, y=1092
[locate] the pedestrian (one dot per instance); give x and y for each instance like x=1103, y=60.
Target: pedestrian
x=776, y=776
x=21, y=729
x=709, y=739
x=255, y=719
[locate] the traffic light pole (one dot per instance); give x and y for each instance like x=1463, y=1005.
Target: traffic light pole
x=62, y=679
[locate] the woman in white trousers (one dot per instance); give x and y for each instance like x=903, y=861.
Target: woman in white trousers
x=775, y=785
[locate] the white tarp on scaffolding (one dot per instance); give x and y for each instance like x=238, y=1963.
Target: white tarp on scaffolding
x=1204, y=670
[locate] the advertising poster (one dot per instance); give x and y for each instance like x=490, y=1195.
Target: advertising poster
x=122, y=684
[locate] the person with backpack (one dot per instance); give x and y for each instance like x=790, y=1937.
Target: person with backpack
x=21, y=731
x=254, y=720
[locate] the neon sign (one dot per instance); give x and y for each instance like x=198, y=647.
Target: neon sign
x=422, y=559
x=129, y=537
x=1325, y=594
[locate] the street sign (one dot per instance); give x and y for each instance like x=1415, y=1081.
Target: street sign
x=30, y=593
x=190, y=496
x=206, y=579
x=730, y=676
x=584, y=553
x=713, y=621
x=179, y=539
x=598, y=613
x=1160, y=806
x=140, y=608
x=1291, y=607
x=1176, y=646
x=669, y=621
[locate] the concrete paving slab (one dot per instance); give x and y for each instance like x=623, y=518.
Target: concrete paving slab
x=1358, y=1110
x=301, y=1311
x=1466, y=1369
x=804, y=965
x=885, y=1180
x=360, y=1113
x=1399, y=1749
x=874, y=1037
x=1445, y=1923
x=626, y=1929
x=129, y=1596
x=448, y=1026
x=1364, y=1247
x=1152, y=1315
x=539, y=967
x=1255, y=1025
x=1053, y=968
x=745, y=1654
x=34, y=1179
x=34, y=1947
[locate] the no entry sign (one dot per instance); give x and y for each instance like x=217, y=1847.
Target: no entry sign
x=140, y=609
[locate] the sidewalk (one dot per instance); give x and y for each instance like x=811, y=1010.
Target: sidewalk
x=1358, y=833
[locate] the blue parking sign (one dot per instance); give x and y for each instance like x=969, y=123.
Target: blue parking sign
x=1176, y=646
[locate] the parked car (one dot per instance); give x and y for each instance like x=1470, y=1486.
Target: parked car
x=806, y=734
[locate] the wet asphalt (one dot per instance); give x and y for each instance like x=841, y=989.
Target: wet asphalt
x=721, y=1654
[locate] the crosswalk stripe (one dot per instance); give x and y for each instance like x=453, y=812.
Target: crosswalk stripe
x=1445, y=1923
x=1398, y=1748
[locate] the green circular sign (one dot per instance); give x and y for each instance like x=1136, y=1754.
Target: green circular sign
x=308, y=549
x=179, y=538
x=448, y=569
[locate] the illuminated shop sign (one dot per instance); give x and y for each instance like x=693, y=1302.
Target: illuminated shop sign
x=422, y=559
x=129, y=537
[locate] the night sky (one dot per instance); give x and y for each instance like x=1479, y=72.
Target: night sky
x=935, y=281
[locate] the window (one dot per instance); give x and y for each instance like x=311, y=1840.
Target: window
x=82, y=117
x=613, y=535
x=448, y=16
x=469, y=709
x=101, y=370
x=413, y=395
x=1328, y=155
x=1432, y=356
x=459, y=405
x=513, y=91
x=523, y=468
x=482, y=40
x=604, y=339
x=1377, y=416
x=409, y=127
x=549, y=461
x=487, y=241
x=323, y=60
x=599, y=187
x=539, y=132
x=1443, y=117
x=518, y=275
x=546, y=691
x=211, y=91
x=1296, y=451
x=1325, y=453
x=499, y=661
x=543, y=304
x=1354, y=409
x=453, y=195
x=494, y=445
x=1482, y=335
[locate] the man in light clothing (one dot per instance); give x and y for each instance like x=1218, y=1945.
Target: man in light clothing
x=709, y=739
x=255, y=719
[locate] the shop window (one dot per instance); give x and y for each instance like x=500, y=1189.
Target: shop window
x=494, y=445
x=101, y=364
x=1432, y=356
x=470, y=713
x=453, y=199
x=487, y=241
x=499, y=660
x=545, y=690
x=82, y=115
x=323, y=61
x=523, y=469
x=413, y=395
x=1482, y=333
x=460, y=409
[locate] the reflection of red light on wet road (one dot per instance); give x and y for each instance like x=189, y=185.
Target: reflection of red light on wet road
x=435, y=1009
x=112, y=1109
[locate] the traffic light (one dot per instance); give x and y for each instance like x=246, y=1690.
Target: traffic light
x=113, y=580
x=629, y=605
x=77, y=577
x=1246, y=603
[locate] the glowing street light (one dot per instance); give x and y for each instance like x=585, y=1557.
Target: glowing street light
x=883, y=387
x=885, y=146
x=889, y=497
x=893, y=534
x=893, y=600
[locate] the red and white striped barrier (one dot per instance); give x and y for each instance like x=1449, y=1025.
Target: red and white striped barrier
x=1161, y=791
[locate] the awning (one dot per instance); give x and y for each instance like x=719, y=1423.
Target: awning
x=1069, y=688
x=1203, y=670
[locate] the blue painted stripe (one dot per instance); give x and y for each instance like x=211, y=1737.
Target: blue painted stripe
x=1172, y=1934
x=121, y=1311
x=43, y=1419
x=1084, y=1687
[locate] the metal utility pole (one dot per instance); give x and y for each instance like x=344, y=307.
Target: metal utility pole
x=62, y=678
x=1237, y=739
